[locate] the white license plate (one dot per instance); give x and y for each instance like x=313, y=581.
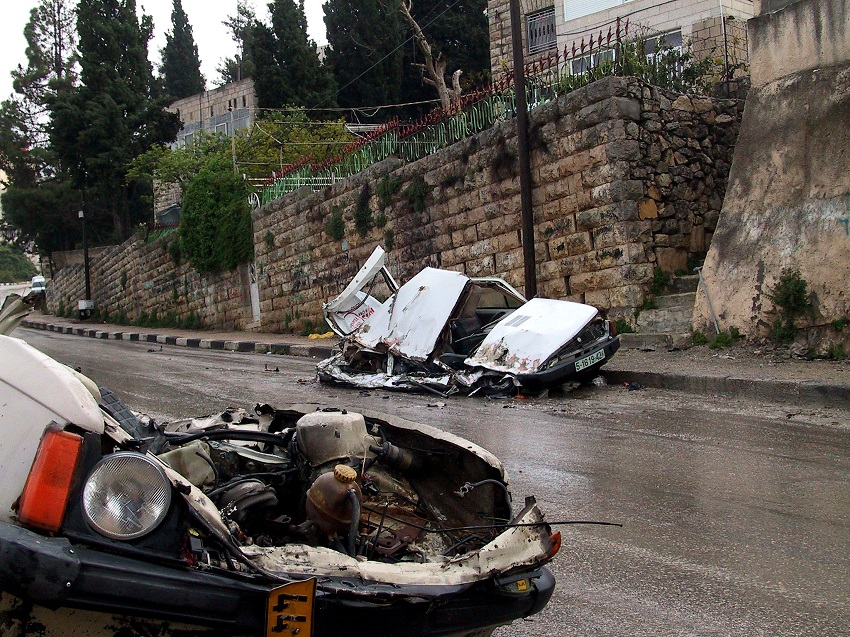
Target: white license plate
x=587, y=361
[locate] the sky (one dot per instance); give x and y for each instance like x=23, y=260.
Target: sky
x=205, y=16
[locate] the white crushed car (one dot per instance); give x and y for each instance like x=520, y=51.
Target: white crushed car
x=443, y=331
x=296, y=521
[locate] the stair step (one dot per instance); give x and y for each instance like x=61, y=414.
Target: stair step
x=684, y=299
x=665, y=320
x=686, y=283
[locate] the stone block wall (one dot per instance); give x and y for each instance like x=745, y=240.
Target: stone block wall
x=626, y=178
x=136, y=279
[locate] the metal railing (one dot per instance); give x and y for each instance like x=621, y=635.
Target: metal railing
x=546, y=79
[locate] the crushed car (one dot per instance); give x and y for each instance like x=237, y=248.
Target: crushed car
x=444, y=332
x=294, y=521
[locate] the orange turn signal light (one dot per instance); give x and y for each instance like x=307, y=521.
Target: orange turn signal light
x=555, y=538
x=48, y=486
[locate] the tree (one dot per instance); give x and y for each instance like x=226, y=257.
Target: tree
x=37, y=199
x=365, y=52
x=181, y=67
x=458, y=34
x=215, y=226
x=287, y=71
x=115, y=114
x=14, y=265
x=51, y=60
x=241, y=28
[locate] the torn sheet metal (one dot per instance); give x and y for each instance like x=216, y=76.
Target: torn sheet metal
x=522, y=342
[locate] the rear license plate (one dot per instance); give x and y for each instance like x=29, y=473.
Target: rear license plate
x=587, y=361
x=289, y=610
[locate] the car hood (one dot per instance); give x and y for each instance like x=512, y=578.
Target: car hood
x=523, y=341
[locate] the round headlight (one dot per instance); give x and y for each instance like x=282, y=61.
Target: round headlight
x=126, y=496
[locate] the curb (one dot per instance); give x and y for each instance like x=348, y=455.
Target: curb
x=283, y=349
x=809, y=393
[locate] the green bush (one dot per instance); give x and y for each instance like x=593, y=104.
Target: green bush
x=793, y=300
x=362, y=213
x=215, y=227
x=335, y=226
x=660, y=282
x=699, y=337
x=840, y=324
x=387, y=187
x=389, y=239
x=721, y=340
x=622, y=326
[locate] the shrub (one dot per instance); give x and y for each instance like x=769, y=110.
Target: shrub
x=793, y=300
x=699, y=338
x=335, y=227
x=660, y=281
x=840, y=324
x=387, y=187
x=723, y=339
x=215, y=228
x=622, y=326
x=362, y=212
x=389, y=239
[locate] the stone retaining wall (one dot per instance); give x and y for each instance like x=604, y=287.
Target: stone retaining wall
x=626, y=179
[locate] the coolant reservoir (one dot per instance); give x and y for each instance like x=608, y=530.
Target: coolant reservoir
x=329, y=504
x=325, y=436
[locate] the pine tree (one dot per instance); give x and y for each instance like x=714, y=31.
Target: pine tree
x=241, y=28
x=115, y=114
x=365, y=52
x=39, y=205
x=287, y=71
x=181, y=67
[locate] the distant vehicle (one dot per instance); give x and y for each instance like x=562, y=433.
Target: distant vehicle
x=444, y=332
x=38, y=284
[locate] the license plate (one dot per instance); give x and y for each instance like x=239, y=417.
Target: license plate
x=587, y=361
x=289, y=611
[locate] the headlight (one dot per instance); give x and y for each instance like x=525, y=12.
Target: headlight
x=126, y=496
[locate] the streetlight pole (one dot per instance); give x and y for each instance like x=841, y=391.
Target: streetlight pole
x=85, y=305
x=522, y=148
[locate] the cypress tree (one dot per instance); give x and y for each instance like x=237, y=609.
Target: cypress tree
x=365, y=52
x=113, y=116
x=287, y=71
x=181, y=66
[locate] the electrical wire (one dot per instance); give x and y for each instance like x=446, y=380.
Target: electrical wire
x=482, y=527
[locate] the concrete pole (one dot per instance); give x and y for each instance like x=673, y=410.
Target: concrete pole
x=522, y=149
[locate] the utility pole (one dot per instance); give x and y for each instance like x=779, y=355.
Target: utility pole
x=85, y=306
x=232, y=140
x=528, y=255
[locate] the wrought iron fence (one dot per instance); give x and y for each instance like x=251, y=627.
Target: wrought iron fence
x=546, y=79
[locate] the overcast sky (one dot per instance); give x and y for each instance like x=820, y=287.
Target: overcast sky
x=205, y=16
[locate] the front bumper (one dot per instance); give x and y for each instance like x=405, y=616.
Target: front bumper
x=567, y=369
x=52, y=572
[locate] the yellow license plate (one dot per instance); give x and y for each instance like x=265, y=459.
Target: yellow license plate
x=289, y=611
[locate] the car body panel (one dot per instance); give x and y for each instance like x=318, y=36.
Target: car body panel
x=443, y=332
x=523, y=341
x=456, y=593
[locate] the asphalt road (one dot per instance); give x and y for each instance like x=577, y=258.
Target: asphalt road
x=736, y=516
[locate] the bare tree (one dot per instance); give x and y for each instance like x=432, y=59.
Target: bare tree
x=435, y=64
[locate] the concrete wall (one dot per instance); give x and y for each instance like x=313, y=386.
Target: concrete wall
x=799, y=36
x=787, y=206
x=626, y=178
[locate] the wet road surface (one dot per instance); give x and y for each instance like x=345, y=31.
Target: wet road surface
x=736, y=516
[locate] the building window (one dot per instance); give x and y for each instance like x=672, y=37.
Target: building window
x=581, y=65
x=541, y=30
x=244, y=102
x=211, y=112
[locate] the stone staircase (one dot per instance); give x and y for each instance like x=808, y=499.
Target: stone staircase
x=668, y=325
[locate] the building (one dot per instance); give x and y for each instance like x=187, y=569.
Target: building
x=220, y=111
x=711, y=27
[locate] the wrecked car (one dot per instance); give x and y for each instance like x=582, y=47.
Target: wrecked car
x=443, y=332
x=294, y=521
